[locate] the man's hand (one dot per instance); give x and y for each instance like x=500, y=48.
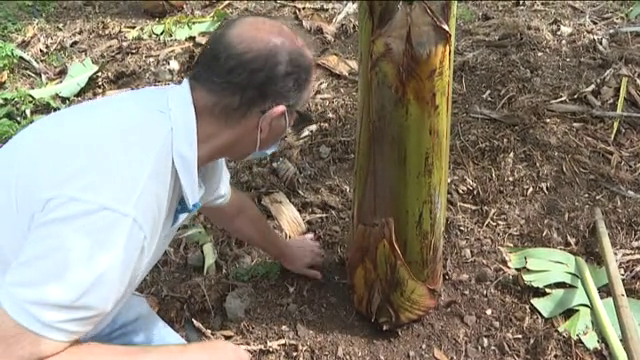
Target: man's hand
x=214, y=350
x=301, y=254
x=242, y=218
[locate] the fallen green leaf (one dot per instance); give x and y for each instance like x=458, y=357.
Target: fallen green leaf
x=77, y=77
x=546, y=267
x=197, y=234
x=559, y=301
x=210, y=257
x=518, y=256
x=179, y=27
x=635, y=11
x=610, y=309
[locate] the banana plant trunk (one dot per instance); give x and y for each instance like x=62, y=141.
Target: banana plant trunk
x=394, y=258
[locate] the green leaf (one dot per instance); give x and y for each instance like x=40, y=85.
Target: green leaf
x=537, y=264
x=210, y=256
x=518, y=259
x=541, y=279
x=197, y=234
x=578, y=324
x=610, y=309
x=635, y=11
x=185, y=31
x=76, y=79
x=8, y=128
x=559, y=301
x=158, y=29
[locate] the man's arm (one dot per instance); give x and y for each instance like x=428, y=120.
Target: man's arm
x=242, y=219
x=19, y=343
x=234, y=211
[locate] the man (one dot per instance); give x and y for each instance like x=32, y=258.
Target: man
x=93, y=194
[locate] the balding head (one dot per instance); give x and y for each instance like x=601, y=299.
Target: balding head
x=251, y=64
x=259, y=33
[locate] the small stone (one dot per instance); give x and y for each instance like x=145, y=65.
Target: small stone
x=244, y=261
x=484, y=275
x=463, y=277
x=292, y=308
x=174, y=65
x=412, y=354
x=519, y=315
x=325, y=151
x=485, y=342
x=164, y=75
x=196, y=259
x=340, y=353
x=302, y=331
x=466, y=253
x=495, y=324
x=237, y=303
x=470, y=320
x=472, y=353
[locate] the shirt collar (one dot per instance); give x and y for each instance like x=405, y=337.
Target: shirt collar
x=185, y=141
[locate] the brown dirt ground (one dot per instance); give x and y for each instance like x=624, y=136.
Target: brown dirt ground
x=522, y=175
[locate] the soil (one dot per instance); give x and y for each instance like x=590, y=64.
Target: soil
x=520, y=175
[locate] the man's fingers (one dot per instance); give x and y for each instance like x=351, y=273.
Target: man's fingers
x=311, y=273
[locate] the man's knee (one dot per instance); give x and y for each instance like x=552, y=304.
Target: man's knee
x=137, y=324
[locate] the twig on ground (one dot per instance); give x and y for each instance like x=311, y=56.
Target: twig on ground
x=577, y=109
x=479, y=113
x=271, y=345
x=321, y=6
x=627, y=29
x=348, y=9
x=621, y=191
x=206, y=332
x=623, y=311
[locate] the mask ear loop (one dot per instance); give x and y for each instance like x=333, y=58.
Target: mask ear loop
x=286, y=124
x=259, y=133
x=286, y=121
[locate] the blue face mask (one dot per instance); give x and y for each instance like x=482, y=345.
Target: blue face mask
x=263, y=153
x=266, y=152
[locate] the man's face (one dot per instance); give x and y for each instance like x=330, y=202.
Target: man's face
x=272, y=126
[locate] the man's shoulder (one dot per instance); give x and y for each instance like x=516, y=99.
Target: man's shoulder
x=126, y=106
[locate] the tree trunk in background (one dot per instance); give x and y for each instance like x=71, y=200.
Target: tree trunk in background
x=402, y=158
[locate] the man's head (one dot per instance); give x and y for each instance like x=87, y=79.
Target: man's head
x=248, y=82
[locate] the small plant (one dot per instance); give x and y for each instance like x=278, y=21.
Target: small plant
x=266, y=269
x=19, y=109
x=8, y=55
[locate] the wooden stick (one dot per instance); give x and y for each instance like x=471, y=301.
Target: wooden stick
x=627, y=323
x=565, y=108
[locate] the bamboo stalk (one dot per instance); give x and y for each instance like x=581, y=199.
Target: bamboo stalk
x=604, y=325
x=623, y=311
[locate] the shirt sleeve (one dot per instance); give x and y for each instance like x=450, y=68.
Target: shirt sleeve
x=217, y=183
x=76, y=263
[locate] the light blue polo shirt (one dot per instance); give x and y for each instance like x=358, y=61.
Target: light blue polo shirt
x=91, y=197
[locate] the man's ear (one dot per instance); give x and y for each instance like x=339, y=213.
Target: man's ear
x=271, y=119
